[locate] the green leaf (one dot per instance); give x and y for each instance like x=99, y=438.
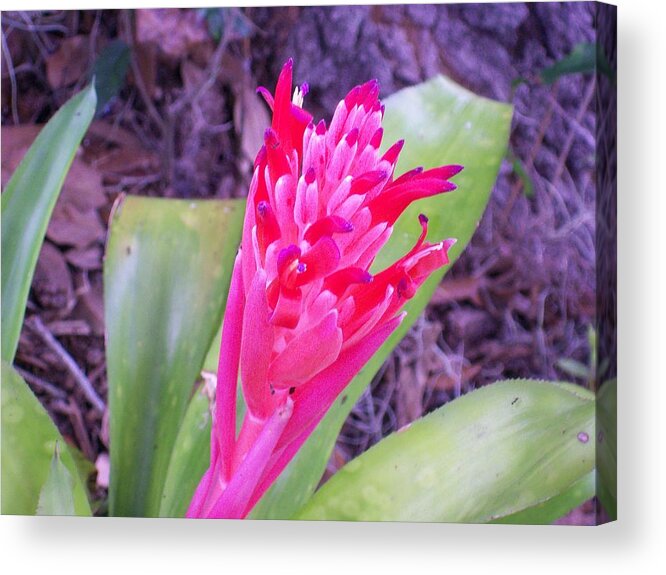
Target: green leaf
x=555, y=507
x=189, y=459
x=497, y=451
x=109, y=72
x=607, y=447
x=442, y=123
x=191, y=452
x=27, y=203
x=29, y=440
x=166, y=274
x=582, y=59
x=521, y=173
x=57, y=496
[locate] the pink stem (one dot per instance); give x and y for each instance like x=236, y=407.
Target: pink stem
x=200, y=494
x=313, y=405
x=233, y=503
x=278, y=462
x=250, y=430
x=227, y=370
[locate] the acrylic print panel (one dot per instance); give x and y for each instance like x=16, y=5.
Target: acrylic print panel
x=317, y=263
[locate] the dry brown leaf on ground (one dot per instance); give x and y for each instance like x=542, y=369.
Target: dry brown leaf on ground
x=115, y=151
x=111, y=135
x=18, y=138
x=83, y=184
x=146, y=59
x=193, y=76
x=251, y=119
x=52, y=284
x=175, y=32
x=90, y=307
x=458, y=289
x=449, y=383
x=15, y=143
x=83, y=187
x=250, y=115
x=87, y=259
x=70, y=227
x=68, y=63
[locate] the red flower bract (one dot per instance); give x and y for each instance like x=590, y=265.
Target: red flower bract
x=304, y=314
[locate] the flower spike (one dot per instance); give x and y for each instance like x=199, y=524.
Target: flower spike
x=304, y=314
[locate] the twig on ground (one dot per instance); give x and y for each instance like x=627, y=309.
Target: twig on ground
x=585, y=104
x=138, y=77
x=41, y=384
x=71, y=410
x=35, y=323
x=529, y=164
x=12, y=78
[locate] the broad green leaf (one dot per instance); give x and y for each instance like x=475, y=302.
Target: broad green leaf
x=27, y=203
x=555, y=507
x=189, y=459
x=29, y=440
x=497, y=451
x=441, y=123
x=166, y=276
x=210, y=363
x=109, y=72
x=607, y=447
x=57, y=496
x=191, y=453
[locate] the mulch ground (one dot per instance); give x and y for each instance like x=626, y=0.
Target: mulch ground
x=186, y=123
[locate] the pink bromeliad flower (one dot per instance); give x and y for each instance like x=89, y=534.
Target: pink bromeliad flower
x=304, y=314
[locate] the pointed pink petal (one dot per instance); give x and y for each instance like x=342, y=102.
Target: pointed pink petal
x=312, y=400
x=414, y=185
x=430, y=259
x=361, y=325
x=288, y=308
x=327, y=227
x=298, y=124
x=282, y=103
x=319, y=261
x=342, y=157
x=308, y=353
x=276, y=154
x=391, y=155
x=338, y=282
x=285, y=199
x=365, y=182
x=376, y=139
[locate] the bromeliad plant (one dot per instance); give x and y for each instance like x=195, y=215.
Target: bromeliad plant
x=304, y=313
x=328, y=278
